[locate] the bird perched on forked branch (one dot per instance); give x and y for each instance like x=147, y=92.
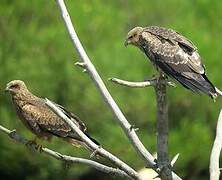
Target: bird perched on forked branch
x=175, y=55
x=40, y=119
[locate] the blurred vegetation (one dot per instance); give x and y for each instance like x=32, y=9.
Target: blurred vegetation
x=35, y=48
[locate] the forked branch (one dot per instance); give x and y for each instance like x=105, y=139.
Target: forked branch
x=163, y=163
x=126, y=126
x=97, y=149
x=74, y=160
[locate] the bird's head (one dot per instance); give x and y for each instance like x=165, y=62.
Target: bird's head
x=133, y=36
x=15, y=86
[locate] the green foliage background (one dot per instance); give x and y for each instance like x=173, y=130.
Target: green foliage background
x=35, y=48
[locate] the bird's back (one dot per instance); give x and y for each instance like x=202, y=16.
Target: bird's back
x=172, y=36
x=40, y=119
x=178, y=57
x=43, y=121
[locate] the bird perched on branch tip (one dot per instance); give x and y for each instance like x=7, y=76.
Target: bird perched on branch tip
x=40, y=119
x=175, y=55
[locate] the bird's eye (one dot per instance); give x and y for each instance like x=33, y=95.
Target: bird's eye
x=14, y=86
x=131, y=36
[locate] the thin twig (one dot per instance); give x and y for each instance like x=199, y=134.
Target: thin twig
x=173, y=161
x=98, y=149
x=215, y=153
x=106, y=169
x=142, y=84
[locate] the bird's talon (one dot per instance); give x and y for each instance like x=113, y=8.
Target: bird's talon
x=39, y=148
x=33, y=145
x=160, y=167
x=169, y=83
x=12, y=133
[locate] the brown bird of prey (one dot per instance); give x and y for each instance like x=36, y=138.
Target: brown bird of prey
x=175, y=55
x=40, y=119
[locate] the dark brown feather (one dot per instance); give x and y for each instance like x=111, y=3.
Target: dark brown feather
x=172, y=36
x=175, y=55
x=40, y=119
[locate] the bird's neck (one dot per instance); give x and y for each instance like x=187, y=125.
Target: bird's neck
x=142, y=45
x=23, y=98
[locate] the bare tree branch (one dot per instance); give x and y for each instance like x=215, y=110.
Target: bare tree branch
x=215, y=153
x=162, y=130
x=142, y=84
x=97, y=149
x=86, y=64
x=162, y=120
x=218, y=91
x=106, y=169
x=163, y=163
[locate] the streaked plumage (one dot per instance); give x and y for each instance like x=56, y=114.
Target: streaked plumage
x=39, y=118
x=175, y=55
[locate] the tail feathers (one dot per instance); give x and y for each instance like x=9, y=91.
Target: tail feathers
x=79, y=143
x=75, y=142
x=199, y=84
x=92, y=139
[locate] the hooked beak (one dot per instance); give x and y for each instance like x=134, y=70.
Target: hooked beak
x=7, y=89
x=126, y=43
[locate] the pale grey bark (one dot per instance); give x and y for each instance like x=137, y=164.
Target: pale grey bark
x=141, y=84
x=218, y=91
x=215, y=153
x=97, y=149
x=163, y=161
x=86, y=64
x=89, y=67
x=163, y=167
x=75, y=160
